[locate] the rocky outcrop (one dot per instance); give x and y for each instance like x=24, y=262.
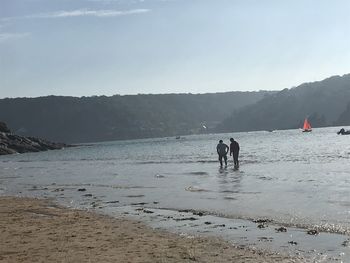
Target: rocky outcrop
x=11, y=143
x=3, y=127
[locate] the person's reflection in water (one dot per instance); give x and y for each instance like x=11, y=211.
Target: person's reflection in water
x=229, y=183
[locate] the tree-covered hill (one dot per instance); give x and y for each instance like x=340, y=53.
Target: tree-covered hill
x=344, y=118
x=88, y=119
x=323, y=102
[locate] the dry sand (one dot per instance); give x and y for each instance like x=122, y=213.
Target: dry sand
x=34, y=230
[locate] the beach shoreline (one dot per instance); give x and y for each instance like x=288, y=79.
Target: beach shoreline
x=39, y=230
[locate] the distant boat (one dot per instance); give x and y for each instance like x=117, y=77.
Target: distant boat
x=307, y=126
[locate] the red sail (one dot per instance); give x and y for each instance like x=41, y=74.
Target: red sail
x=307, y=125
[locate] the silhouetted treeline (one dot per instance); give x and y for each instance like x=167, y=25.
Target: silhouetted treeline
x=88, y=119
x=325, y=103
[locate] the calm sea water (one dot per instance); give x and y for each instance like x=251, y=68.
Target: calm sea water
x=293, y=178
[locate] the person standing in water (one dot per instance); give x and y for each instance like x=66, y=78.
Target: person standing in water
x=222, y=150
x=234, y=150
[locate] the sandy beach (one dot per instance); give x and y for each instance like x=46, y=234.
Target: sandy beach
x=35, y=230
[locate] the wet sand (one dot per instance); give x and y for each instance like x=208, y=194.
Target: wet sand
x=35, y=230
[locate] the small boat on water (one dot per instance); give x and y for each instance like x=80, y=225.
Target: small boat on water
x=343, y=132
x=306, y=126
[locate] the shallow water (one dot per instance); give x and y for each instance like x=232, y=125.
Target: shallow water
x=292, y=178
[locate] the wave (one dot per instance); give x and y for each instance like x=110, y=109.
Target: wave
x=174, y=161
x=105, y=185
x=199, y=173
x=196, y=189
x=333, y=228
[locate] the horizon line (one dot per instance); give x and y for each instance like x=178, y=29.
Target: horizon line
x=138, y=94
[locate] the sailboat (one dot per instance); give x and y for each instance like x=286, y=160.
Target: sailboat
x=307, y=126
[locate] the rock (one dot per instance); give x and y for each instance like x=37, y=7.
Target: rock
x=4, y=128
x=141, y=203
x=82, y=189
x=265, y=239
x=222, y=225
x=58, y=190
x=198, y=213
x=261, y=226
x=93, y=204
x=313, y=232
x=262, y=221
x=186, y=218
x=281, y=229
x=346, y=243
x=11, y=143
x=4, y=151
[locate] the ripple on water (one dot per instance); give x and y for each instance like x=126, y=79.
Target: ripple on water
x=196, y=189
x=199, y=173
x=135, y=196
x=229, y=192
x=341, y=203
x=107, y=186
x=230, y=198
x=265, y=178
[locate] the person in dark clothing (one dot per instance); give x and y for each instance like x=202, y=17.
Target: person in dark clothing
x=222, y=150
x=234, y=150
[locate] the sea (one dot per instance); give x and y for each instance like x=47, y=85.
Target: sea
x=290, y=195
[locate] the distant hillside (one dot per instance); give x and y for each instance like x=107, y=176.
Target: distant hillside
x=324, y=103
x=88, y=119
x=344, y=118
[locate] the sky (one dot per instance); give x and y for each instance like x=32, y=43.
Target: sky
x=108, y=47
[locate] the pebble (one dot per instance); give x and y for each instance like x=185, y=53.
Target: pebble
x=281, y=229
x=186, y=218
x=262, y=221
x=313, y=232
x=198, y=213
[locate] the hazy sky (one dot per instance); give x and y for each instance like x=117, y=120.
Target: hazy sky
x=106, y=47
